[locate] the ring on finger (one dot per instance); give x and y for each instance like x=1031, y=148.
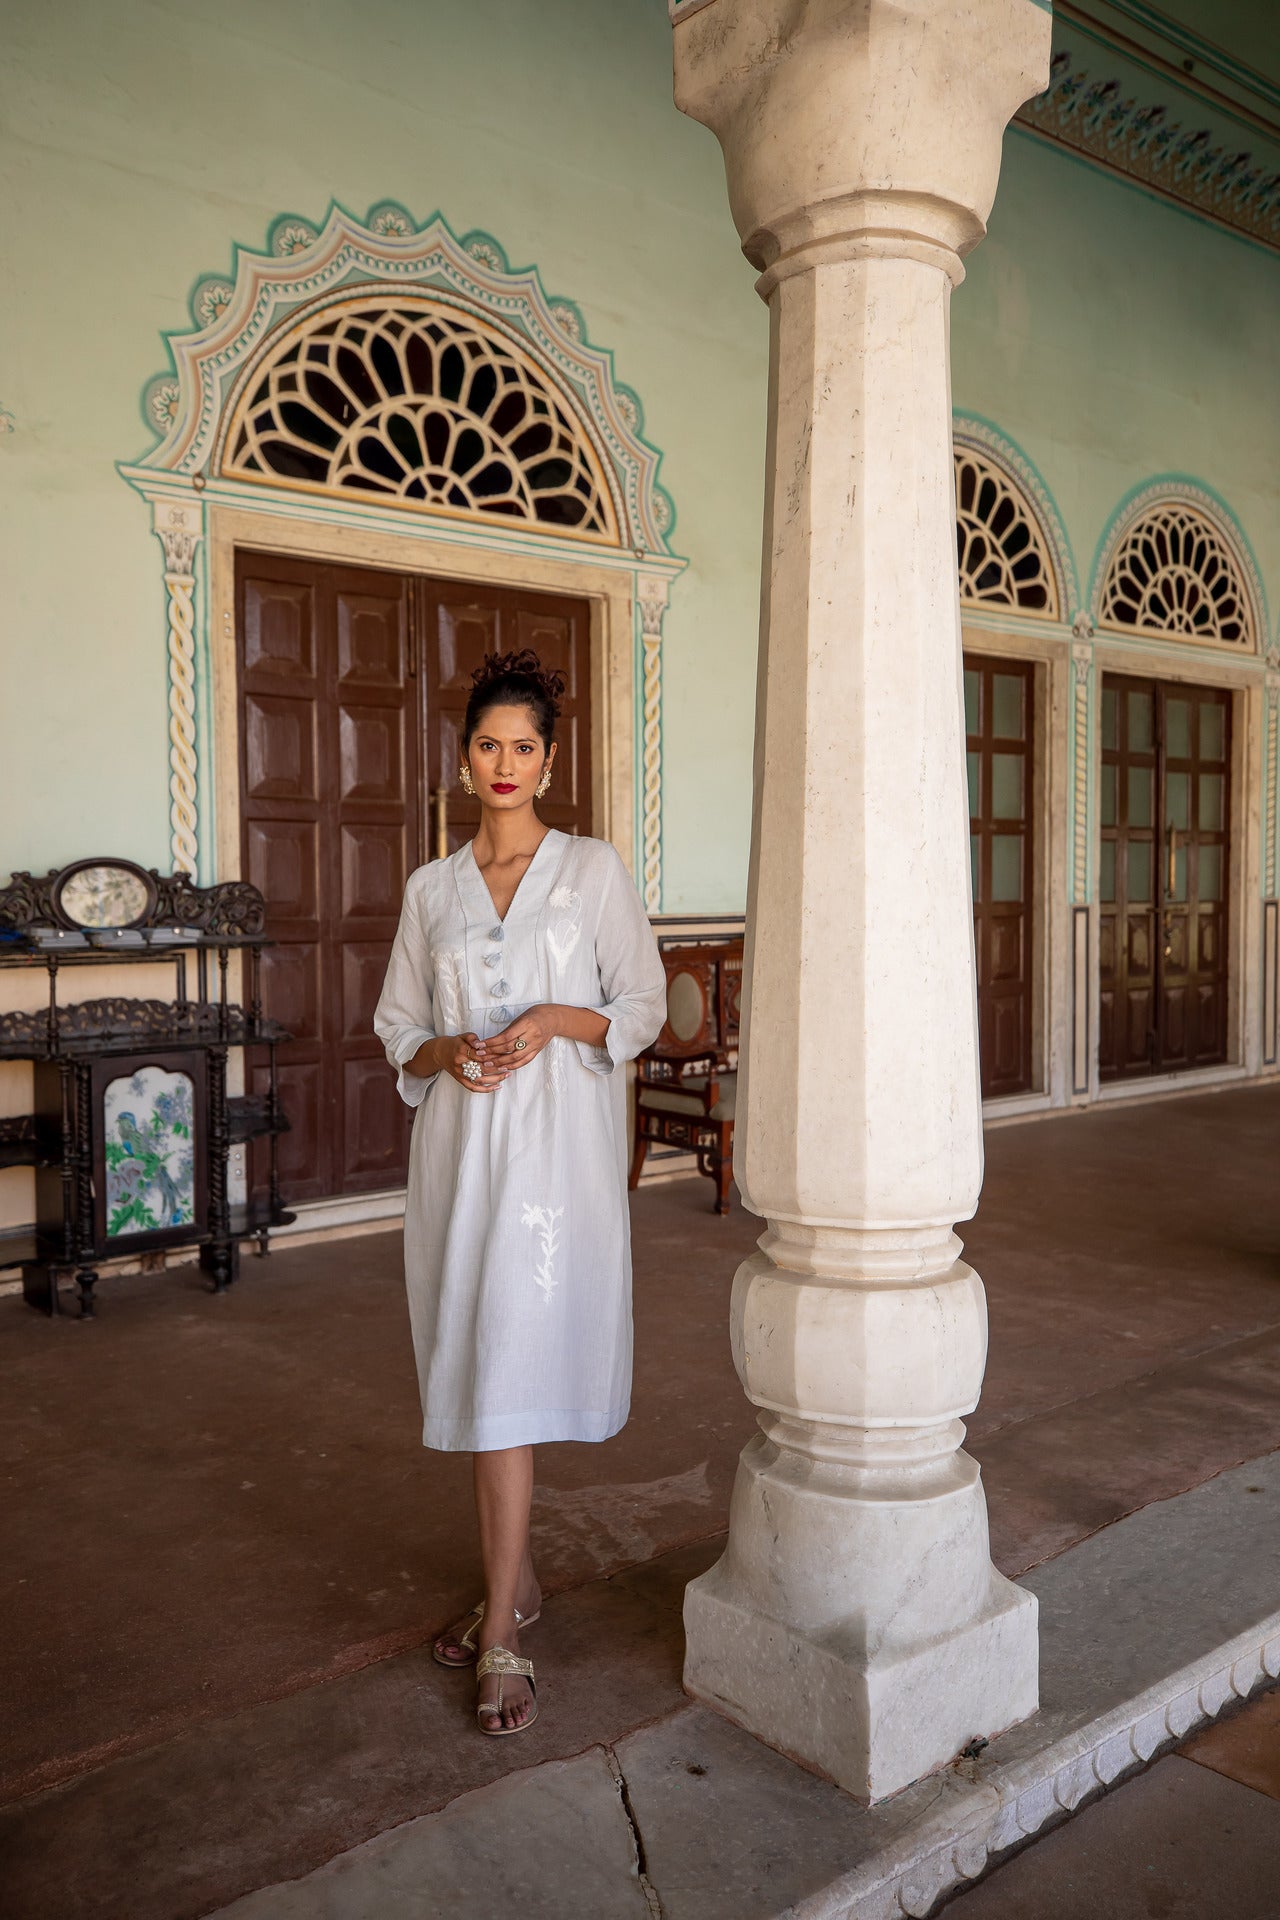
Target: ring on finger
x=520, y=1045
x=471, y=1070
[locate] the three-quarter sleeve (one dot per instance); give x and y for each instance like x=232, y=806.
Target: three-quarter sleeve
x=632, y=977
x=403, y=1018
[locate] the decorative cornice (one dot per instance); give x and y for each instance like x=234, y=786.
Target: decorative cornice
x=305, y=268
x=352, y=512
x=1097, y=119
x=1149, y=37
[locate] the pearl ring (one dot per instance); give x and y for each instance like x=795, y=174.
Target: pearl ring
x=521, y=1045
x=471, y=1069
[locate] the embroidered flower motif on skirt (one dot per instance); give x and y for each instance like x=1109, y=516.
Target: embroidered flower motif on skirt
x=564, y=932
x=547, y=1222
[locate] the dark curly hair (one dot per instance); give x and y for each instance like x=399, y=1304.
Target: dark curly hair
x=515, y=680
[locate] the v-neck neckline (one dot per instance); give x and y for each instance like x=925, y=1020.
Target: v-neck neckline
x=501, y=919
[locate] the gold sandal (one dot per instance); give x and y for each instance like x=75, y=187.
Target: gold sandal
x=467, y=1638
x=499, y=1661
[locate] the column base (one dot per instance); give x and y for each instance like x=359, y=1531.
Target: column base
x=873, y=1722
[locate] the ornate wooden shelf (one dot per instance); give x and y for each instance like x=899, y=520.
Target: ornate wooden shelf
x=133, y=1125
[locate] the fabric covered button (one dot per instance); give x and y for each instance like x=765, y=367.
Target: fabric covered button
x=503, y=1014
x=495, y=933
x=493, y=959
x=502, y=989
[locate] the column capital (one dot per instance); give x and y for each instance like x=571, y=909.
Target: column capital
x=179, y=527
x=860, y=127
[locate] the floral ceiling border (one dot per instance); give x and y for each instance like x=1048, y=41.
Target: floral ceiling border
x=1095, y=118
x=305, y=265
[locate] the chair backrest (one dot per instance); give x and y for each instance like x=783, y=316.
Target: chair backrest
x=704, y=987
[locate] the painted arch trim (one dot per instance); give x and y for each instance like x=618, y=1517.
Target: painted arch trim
x=306, y=269
x=238, y=323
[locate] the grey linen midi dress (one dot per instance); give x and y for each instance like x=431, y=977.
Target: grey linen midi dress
x=517, y=1234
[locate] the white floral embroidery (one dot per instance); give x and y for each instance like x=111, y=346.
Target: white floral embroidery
x=564, y=933
x=553, y=1068
x=448, y=968
x=546, y=1220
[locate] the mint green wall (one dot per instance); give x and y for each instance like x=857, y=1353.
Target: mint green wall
x=1112, y=336
x=1115, y=338
x=143, y=140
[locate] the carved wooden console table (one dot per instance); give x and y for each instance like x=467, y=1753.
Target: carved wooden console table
x=132, y=1124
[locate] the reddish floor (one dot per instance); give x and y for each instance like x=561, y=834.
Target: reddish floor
x=215, y=1502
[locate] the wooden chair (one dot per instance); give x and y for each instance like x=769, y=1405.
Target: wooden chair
x=687, y=1081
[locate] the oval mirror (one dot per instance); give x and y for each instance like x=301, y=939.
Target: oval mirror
x=104, y=896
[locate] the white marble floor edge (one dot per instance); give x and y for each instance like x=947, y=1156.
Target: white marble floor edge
x=1149, y=1629
x=1010, y=1804
x=1172, y=1559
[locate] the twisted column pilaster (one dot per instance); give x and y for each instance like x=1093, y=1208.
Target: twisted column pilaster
x=179, y=530
x=653, y=606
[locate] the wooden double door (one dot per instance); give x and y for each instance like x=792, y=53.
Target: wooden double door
x=1165, y=855
x=999, y=711
x=352, y=687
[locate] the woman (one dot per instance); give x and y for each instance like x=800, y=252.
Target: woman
x=523, y=975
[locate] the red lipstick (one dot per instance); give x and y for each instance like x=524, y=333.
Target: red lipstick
x=504, y=786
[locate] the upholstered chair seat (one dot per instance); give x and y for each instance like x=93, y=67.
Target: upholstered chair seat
x=690, y=1095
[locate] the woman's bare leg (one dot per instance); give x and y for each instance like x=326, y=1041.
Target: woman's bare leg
x=504, y=1492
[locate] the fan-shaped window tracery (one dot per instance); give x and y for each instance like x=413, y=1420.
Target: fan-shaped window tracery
x=409, y=403
x=1004, y=557
x=1173, y=572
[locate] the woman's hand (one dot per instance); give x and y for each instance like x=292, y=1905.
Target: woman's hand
x=451, y=1053
x=525, y=1038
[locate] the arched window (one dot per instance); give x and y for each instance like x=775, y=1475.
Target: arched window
x=1174, y=572
x=407, y=402
x=1004, y=555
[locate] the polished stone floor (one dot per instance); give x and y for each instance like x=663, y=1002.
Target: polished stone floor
x=220, y=1540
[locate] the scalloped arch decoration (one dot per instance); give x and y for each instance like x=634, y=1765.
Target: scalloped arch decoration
x=598, y=480
x=1012, y=547
x=404, y=401
x=1174, y=568
x=1003, y=553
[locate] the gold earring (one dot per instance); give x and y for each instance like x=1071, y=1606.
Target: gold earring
x=541, y=788
x=465, y=780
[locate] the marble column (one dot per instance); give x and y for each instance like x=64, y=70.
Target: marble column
x=855, y=1619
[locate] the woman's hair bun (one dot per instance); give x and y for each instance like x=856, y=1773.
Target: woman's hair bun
x=524, y=665
x=515, y=680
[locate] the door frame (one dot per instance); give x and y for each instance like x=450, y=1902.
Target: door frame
x=610, y=592
x=1180, y=661
x=1048, y=652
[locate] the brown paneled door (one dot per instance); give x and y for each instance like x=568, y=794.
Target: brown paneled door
x=460, y=623
x=341, y=669
x=1164, y=857
x=999, y=728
